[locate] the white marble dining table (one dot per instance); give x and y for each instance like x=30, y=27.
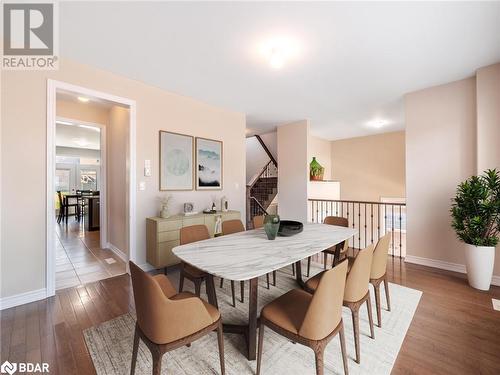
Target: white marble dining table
x=249, y=254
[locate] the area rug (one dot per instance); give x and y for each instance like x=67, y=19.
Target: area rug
x=110, y=343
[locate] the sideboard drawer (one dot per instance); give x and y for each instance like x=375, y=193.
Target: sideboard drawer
x=186, y=222
x=168, y=236
x=169, y=225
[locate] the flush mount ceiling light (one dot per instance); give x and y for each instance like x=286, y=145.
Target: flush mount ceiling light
x=279, y=50
x=83, y=99
x=377, y=124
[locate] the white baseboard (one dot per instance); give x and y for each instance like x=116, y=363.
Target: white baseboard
x=146, y=267
x=22, y=298
x=455, y=267
x=118, y=252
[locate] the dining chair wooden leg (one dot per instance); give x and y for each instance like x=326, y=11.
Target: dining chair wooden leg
x=318, y=355
x=134, y=352
x=261, y=343
x=233, y=293
x=308, y=266
x=274, y=278
x=156, y=361
x=325, y=258
x=267, y=280
x=197, y=287
x=386, y=286
x=181, y=281
x=220, y=340
x=376, y=287
x=221, y=282
x=343, y=348
x=242, y=291
x=370, y=316
x=293, y=269
x=355, y=325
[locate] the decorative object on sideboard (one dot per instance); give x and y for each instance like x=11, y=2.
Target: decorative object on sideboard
x=290, y=228
x=316, y=171
x=164, y=205
x=224, y=206
x=476, y=219
x=209, y=167
x=189, y=209
x=176, y=161
x=271, y=226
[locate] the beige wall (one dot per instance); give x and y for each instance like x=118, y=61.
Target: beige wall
x=83, y=112
x=293, y=170
x=23, y=158
x=371, y=167
x=488, y=118
x=322, y=150
x=440, y=153
x=117, y=137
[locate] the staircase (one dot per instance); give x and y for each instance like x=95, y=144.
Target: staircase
x=262, y=191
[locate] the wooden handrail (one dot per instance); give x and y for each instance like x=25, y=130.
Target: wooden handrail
x=258, y=204
x=266, y=150
x=260, y=174
x=362, y=202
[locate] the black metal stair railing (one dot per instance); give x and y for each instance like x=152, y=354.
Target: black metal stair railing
x=371, y=219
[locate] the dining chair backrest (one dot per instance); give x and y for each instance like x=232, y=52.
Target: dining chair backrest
x=325, y=310
x=193, y=233
x=258, y=221
x=336, y=220
x=232, y=226
x=379, y=262
x=161, y=319
x=358, y=278
x=60, y=197
x=341, y=222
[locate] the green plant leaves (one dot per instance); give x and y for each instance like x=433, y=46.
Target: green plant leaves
x=475, y=210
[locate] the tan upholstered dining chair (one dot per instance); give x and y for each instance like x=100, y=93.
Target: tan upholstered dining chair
x=379, y=273
x=356, y=292
x=258, y=221
x=167, y=320
x=187, y=235
x=230, y=227
x=311, y=320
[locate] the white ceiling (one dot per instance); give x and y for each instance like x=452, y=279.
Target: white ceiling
x=76, y=136
x=356, y=60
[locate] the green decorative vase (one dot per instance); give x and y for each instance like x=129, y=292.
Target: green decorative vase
x=271, y=226
x=316, y=171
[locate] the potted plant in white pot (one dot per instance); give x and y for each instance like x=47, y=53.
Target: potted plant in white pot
x=476, y=219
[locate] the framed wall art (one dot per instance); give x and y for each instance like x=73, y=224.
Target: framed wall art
x=209, y=168
x=176, y=161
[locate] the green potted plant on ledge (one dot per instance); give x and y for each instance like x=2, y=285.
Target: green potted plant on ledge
x=476, y=219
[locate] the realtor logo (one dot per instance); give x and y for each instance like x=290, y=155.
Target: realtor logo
x=8, y=368
x=29, y=36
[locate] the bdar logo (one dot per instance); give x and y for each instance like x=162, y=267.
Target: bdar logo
x=8, y=368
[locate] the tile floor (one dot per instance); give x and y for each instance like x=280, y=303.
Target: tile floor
x=80, y=259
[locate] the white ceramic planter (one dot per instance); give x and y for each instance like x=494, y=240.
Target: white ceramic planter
x=479, y=261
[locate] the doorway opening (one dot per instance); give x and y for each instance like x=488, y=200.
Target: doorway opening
x=90, y=185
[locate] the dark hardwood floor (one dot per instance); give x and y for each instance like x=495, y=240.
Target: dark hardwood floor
x=454, y=331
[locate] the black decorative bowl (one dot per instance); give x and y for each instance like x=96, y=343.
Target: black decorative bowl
x=290, y=228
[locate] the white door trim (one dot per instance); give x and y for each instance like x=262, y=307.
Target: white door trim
x=52, y=87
